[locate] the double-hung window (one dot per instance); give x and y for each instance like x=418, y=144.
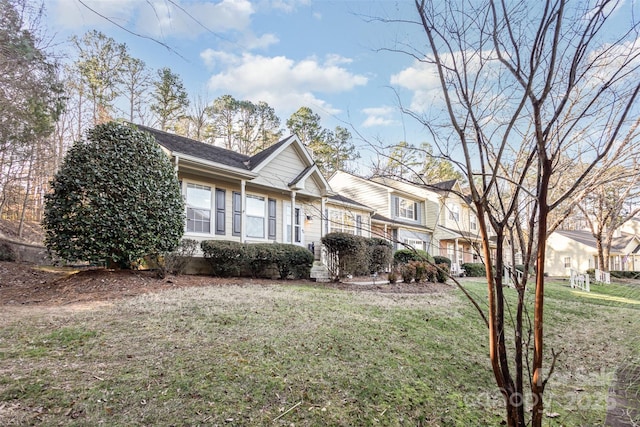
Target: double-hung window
x=198, y=208
x=341, y=222
x=454, y=212
x=256, y=215
x=406, y=209
x=473, y=222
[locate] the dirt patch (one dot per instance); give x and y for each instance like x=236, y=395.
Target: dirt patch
x=624, y=398
x=27, y=284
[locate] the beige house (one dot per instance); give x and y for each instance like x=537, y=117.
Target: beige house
x=457, y=233
x=400, y=211
x=576, y=249
x=277, y=195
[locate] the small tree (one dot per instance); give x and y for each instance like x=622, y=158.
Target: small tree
x=116, y=198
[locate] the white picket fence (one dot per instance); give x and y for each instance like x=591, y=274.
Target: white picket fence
x=580, y=281
x=510, y=273
x=602, y=277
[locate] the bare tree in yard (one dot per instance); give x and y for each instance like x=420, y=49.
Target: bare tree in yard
x=522, y=90
x=610, y=205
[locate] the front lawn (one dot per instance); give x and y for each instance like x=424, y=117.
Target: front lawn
x=301, y=355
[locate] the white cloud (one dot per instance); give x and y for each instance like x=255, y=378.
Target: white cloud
x=162, y=18
x=282, y=82
x=72, y=14
x=157, y=18
x=379, y=116
x=288, y=6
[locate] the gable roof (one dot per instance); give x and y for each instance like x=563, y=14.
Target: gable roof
x=585, y=237
x=445, y=185
x=347, y=201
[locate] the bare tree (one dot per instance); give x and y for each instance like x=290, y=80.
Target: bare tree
x=524, y=89
x=607, y=207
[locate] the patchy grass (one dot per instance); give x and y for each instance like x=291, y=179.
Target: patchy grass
x=281, y=355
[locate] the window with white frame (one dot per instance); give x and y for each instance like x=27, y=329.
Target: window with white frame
x=406, y=209
x=198, y=208
x=341, y=222
x=454, y=212
x=256, y=215
x=473, y=222
x=567, y=262
x=297, y=234
x=415, y=243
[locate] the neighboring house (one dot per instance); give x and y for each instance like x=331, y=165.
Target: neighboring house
x=344, y=215
x=457, y=232
x=576, y=249
x=400, y=210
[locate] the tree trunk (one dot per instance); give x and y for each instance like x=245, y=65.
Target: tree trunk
x=538, y=383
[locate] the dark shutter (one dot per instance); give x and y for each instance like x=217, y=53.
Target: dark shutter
x=220, y=211
x=237, y=213
x=272, y=219
x=415, y=211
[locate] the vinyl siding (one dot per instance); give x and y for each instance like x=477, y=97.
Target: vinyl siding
x=281, y=170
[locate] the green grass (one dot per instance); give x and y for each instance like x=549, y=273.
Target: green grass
x=299, y=355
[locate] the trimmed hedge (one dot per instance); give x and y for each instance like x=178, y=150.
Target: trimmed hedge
x=225, y=257
x=624, y=274
x=437, y=259
x=357, y=255
x=229, y=258
x=474, y=269
x=403, y=256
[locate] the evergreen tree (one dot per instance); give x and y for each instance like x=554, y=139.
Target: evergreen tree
x=170, y=98
x=115, y=198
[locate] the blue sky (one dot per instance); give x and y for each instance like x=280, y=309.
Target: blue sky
x=290, y=53
x=328, y=55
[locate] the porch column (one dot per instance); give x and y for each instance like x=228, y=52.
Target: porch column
x=456, y=251
x=322, y=218
x=243, y=211
x=293, y=217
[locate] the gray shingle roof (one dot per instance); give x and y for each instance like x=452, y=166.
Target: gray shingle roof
x=342, y=199
x=190, y=147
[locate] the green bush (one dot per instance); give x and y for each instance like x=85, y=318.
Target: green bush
x=474, y=269
x=403, y=256
x=624, y=274
x=259, y=258
x=380, y=254
x=226, y=258
x=294, y=261
x=6, y=253
x=437, y=259
x=352, y=253
x=176, y=262
x=442, y=272
x=116, y=197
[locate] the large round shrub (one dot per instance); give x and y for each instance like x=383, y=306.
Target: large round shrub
x=116, y=198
